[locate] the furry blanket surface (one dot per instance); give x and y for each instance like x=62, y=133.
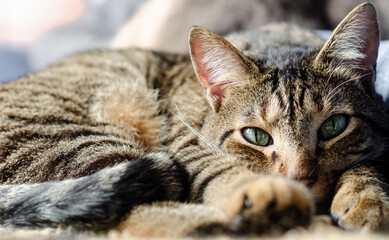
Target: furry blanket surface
x=320, y=229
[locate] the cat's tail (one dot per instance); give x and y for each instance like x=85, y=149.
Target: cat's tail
x=95, y=202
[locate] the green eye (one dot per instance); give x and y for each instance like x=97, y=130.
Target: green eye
x=333, y=126
x=256, y=136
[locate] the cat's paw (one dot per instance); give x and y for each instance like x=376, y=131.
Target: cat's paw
x=356, y=209
x=270, y=204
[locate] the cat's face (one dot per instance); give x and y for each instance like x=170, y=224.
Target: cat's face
x=310, y=120
x=300, y=127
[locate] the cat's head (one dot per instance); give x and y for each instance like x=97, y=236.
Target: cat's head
x=309, y=114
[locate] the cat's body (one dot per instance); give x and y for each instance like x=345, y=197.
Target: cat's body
x=116, y=124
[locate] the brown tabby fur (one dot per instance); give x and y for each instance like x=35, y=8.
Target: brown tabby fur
x=97, y=109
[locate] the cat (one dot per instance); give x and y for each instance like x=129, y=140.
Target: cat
x=126, y=139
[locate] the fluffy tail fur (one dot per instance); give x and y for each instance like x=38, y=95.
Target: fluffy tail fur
x=94, y=202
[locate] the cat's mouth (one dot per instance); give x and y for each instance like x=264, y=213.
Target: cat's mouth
x=322, y=191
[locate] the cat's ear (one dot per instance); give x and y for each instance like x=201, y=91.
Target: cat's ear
x=353, y=46
x=217, y=64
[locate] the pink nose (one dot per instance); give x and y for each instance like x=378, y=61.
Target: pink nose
x=304, y=174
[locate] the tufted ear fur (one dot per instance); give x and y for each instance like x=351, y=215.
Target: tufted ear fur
x=353, y=46
x=217, y=64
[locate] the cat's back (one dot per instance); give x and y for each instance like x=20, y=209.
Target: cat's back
x=49, y=120
x=63, y=92
x=274, y=35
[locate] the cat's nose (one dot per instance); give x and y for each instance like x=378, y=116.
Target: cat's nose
x=304, y=171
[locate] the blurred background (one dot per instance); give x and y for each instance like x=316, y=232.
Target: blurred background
x=36, y=33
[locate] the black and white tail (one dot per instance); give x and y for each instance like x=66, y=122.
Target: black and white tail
x=95, y=202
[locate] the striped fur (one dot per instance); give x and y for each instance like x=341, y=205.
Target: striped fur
x=113, y=139
x=95, y=202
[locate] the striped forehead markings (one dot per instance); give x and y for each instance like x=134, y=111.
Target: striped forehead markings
x=289, y=89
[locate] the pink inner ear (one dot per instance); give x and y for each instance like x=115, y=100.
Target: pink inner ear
x=370, y=35
x=371, y=52
x=204, y=72
x=371, y=47
x=355, y=41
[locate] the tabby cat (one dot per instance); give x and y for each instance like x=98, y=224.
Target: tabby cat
x=126, y=139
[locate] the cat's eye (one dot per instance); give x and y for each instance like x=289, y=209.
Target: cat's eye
x=256, y=136
x=333, y=126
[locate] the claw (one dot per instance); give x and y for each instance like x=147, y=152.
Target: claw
x=247, y=203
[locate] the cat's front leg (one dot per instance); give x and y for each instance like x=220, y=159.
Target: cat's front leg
x=269, y=204
x=360, y=202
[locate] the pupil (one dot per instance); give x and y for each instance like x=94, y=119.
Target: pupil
x=333, y=124
x=258, y=136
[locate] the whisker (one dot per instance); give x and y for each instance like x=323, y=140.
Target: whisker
x=314, y=169
x=373, y=156
x=331, y=93
x=179, y=115
x=332, y=73
x=379, y=160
